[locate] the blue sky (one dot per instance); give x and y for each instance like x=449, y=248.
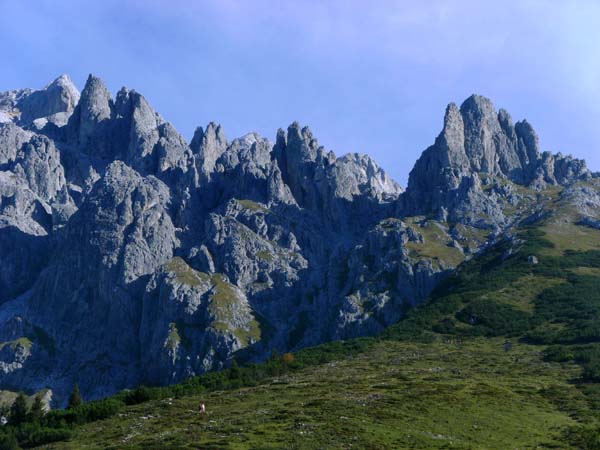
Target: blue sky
x=367, y=76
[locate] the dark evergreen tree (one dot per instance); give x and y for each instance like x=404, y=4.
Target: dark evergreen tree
x=37, y=409
x=18, y=410
x=234, y=371
x=75, y=399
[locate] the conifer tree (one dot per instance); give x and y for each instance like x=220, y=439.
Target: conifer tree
x=75, y=399
x=18, y=410
x=234, y=371
x=37, y=409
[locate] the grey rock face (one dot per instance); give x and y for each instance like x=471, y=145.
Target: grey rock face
x=382, y=278
x=24, y=256
x=30, y=108
x=54, y=103
x=34, y=200
x=8, y=104
x=337, y=188
x=357, y=175
x=153, y=146
x=39, y=164
x=127, y=129
x=121, y=234
x=248, y=248
x=585, y=202
x=12, y=138
x=91, y=114
x=191, y=322
x=126, y=221
x=478, y=141
x=128, y=256
x=208, y=146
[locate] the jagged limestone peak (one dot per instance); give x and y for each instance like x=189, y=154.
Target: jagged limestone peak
x=478, y=140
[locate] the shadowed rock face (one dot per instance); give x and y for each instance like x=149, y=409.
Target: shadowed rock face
x=129, y=256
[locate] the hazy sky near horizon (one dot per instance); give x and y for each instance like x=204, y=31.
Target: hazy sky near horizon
x=371, y=77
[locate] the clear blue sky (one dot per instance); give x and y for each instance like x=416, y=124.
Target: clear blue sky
x=367, y=76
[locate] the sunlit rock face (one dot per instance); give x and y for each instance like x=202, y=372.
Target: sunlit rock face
x=478, y=145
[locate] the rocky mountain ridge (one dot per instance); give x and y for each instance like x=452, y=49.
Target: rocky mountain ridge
x=129, y=256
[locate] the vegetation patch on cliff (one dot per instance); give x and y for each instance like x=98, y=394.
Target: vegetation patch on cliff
x=23, y=342
x=224, y=305
x=253, y=206
x=436, y=243
x=185, y=274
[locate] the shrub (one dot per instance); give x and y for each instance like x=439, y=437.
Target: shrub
x=445, y=326
x=139, y=395
x=591, y=371
x=100, y=409
x=559, y=353
x=48, y=435
x=8, y=441
x=494, y=319
x=88, y=412
x=583, y=437
x=32, y=435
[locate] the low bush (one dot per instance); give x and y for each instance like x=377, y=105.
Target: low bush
x=8, y=441
x=32, y=435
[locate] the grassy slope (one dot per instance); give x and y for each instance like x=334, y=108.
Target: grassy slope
x=398, y=395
